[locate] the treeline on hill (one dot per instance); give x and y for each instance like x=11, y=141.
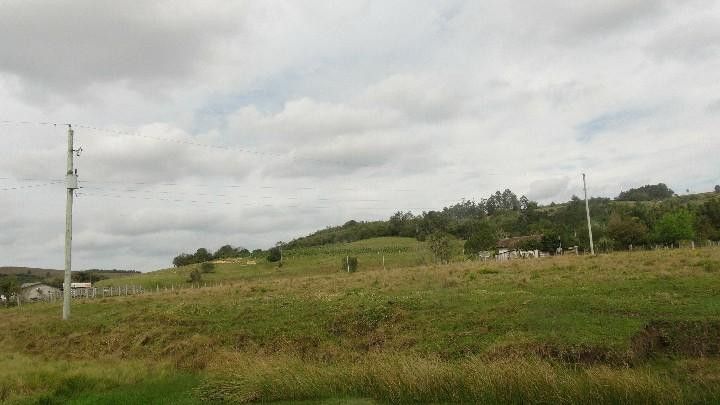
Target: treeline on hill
x=658, y=216
x=655, y=218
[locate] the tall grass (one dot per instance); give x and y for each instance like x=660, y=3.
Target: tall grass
x=35, y=379
x=394, y=378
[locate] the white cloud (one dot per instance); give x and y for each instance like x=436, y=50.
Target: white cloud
x=353, y=110
x=548, y=189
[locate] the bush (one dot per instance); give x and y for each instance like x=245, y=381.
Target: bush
x=482, y=238
x=195, y=276
x=349, y=263
x=440, y=247
x=675, y=226
x=207, y=267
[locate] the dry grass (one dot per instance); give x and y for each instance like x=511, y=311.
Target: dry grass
x=394, y=378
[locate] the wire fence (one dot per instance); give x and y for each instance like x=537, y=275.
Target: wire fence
x=93, y=293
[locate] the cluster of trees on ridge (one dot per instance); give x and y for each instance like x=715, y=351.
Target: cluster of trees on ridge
x=203, y=255
x=652, y=214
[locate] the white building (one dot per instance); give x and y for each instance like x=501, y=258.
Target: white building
x=37, y=291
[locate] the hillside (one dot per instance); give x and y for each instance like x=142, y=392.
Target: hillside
x=506, y=215
x=30, y=271
x=327, y=259
x=623, y=328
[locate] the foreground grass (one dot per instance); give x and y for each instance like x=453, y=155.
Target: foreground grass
x=625, y=328
x=33, y=379
x=412, y=379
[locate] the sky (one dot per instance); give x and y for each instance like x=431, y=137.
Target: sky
x=204, y=123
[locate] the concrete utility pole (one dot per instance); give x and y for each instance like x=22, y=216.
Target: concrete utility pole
x=587, y=211
x=71, y=183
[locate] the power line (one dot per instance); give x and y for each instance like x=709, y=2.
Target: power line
x=224, y=147
x=243, y=186
x=27, y=179
x=253, y=204
x=115, y=132
x=31, y=186
x=10, y=122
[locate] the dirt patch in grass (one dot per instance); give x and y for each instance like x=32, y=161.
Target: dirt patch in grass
x=685, y=338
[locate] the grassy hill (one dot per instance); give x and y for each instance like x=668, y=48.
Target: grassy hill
x=30, y=271
x=30, y=274
x=327, y=259
x=623, y=328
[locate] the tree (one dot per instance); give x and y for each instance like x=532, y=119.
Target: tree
x=274, y=254
x=648, y=192
x=440, y=246
x=195, y=276
x=626, y=230
x=226, y=252
x=675, y=226
x=402, y=224
x=482, y=238
x=9, y=286
x=717, y=188
x=202, y=255
x=524, y=203
x=605, y=244
x=708, y=220
x=86, y=277
x=183, y=259
x=550, y=241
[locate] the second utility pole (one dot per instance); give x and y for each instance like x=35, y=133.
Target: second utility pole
x=71, y=183
x=587, y=211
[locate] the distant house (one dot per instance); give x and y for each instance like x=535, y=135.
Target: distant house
x=37, y=291
x=511, y=248
x=80, y=289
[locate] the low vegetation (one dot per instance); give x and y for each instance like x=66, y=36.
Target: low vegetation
x=626, y=327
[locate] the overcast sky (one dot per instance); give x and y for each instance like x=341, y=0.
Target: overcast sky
x=329, y=111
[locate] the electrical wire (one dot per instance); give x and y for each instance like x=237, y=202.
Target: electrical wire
x=32, y=186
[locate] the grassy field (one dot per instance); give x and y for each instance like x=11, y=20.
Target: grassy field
x=623, y=328
x=397, y=253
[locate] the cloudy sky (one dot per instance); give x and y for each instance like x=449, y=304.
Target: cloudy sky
x=249, y=122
